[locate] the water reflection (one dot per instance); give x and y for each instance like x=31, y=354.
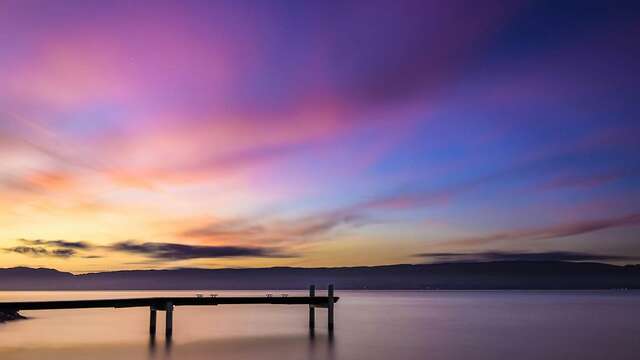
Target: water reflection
x=318, y=347
x=152, y=345
x=168, y=342
x=331, y=345
x=371, y=325
x=321, y=347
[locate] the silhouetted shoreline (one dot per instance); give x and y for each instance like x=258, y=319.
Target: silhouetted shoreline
x=518, y=275
x=10, y=316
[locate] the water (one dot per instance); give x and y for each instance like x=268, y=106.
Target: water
x=369, y=325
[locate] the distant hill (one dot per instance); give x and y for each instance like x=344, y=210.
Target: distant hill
x=470, y=275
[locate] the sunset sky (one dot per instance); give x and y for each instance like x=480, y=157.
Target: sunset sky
x=163, y=134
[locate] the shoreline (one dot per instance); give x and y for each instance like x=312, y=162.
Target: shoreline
x=6, y=316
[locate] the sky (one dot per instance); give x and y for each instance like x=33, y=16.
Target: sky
x=165, y=134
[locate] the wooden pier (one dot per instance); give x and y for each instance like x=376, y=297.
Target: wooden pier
x=167, y=304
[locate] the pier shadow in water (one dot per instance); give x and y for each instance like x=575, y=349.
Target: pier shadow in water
x=313, y=347
x=298, y=347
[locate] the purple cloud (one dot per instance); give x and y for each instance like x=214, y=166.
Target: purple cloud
x=174, y=252
x=551, y=232
x=41, y=251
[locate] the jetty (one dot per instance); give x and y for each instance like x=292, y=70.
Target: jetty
x=167, y=304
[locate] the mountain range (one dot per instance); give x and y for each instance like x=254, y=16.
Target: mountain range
x=457, y=275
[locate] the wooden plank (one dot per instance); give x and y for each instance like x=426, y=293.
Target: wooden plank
x=160, y=302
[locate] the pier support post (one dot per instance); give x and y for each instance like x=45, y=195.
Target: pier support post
x=312, y=308
x=330, y=308
x=169, y=318
x=153, y=315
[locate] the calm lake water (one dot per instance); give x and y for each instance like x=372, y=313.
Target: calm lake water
x=369, y=325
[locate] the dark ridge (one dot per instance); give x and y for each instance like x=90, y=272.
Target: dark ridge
x=458, y=275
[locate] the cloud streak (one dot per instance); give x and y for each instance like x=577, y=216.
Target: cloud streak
x=78, y=245
x=290, y=231
x=234, y=228
x=522, y=256
x=36, y=251
x=551, y=232
x=174, y=252
x=50, y=248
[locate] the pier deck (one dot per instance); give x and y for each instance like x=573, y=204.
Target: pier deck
x=167, y=304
